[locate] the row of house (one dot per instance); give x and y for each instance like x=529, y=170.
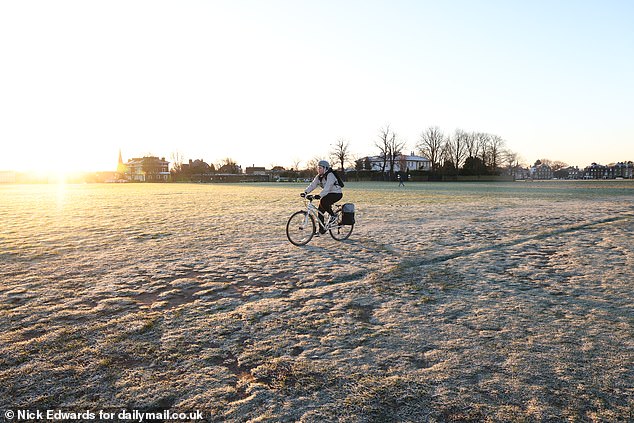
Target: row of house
x=154, y=169
x=402, y=163
x=624, y=170
x=621, y=170
x=615, y=171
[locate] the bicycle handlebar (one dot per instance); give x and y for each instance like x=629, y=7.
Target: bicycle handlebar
x=309, y=197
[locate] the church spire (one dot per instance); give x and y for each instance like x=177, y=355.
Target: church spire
x=121, y=168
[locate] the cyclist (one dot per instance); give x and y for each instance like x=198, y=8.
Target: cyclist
x=330, y=190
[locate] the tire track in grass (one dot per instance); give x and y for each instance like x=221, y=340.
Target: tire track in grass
x=399, y=265
x=409, y=262
x=413, y=262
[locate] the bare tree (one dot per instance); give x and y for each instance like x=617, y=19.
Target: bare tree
x=510, y=158
x=512, y=161
x=516, y=165
x=312, y=164
x=553, y=164
x=177, y=161
x=496, y=147
x=471, y=145
x=431, y=144
x=386, y=136
x=228, y=165
x=341, y=153
x=482, y=146
x=546, y=162
x=456, y=148
x=395, y=147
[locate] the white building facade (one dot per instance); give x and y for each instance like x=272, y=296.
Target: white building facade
x=147, y=169
x=403, y=163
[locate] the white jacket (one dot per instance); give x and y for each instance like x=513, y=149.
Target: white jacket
x=328, y=185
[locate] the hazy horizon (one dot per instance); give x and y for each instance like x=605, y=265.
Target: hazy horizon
x=243, y=165
x=216, y=163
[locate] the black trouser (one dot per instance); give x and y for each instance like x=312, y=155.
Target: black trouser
x=325, y=205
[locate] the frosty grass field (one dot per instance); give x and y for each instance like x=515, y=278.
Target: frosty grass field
x=450, y=302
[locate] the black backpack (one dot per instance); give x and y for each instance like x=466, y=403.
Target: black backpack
x=334, y=172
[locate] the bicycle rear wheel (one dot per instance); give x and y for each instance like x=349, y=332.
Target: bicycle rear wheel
x=341, y=232
x=300, y=228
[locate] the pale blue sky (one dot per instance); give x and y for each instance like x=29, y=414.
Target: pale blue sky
x=272, y=82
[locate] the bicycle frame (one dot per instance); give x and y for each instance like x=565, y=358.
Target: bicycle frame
x=310, y=221
x=314, y=211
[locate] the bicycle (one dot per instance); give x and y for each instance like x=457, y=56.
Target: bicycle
x=301, y=226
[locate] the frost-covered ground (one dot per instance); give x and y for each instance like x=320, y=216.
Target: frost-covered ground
x=450, y=302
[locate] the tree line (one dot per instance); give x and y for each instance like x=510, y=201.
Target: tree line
x=466, y=153
x=460, y=153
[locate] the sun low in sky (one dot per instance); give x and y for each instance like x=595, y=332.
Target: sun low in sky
x=271, y=83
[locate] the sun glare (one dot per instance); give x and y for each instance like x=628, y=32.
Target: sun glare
x=58, y=168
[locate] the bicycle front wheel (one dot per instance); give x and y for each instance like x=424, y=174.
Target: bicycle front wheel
x=300, y=228
x=341, y=232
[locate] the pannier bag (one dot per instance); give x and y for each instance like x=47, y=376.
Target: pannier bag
x=347, y=214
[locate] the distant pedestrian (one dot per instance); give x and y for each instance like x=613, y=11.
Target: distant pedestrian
x=400, y=180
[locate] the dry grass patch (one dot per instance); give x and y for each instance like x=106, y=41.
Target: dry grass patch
x=449, y=303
